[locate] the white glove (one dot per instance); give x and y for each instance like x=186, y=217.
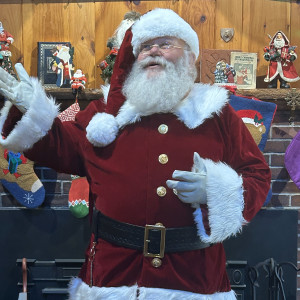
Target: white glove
x=20, y=93
x=190, y=186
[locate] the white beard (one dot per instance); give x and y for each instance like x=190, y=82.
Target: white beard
x=161, y=93
x=279, y=43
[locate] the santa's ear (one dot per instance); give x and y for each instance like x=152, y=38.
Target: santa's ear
x=192, y=58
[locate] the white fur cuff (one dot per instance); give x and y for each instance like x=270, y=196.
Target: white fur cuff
x=35, y=123
x=225, y=203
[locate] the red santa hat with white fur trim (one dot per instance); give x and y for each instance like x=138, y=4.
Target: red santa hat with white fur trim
x=104, y=127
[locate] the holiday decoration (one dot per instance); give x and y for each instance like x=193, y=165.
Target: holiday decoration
x=6, y=39
x=257, y=115
x=79, y=190
x=78, y=81
x=224, y=73
x=292, y=159
x=18, y=177
x=280, y=55
x=114, y=44
x=63, y=64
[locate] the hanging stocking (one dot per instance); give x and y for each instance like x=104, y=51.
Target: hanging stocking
x=79, y=190
x=18, y=177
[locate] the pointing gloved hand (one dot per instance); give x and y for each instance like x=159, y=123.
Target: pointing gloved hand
x=18, y=92
x=190, y=186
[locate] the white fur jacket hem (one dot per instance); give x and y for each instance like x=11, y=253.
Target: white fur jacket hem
x=80, y=291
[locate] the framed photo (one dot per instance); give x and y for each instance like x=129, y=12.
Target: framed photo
x=245, y=65
x=54, y=64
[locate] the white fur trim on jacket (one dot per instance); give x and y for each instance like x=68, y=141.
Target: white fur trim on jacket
x=225, y=203
x=78, y=290
x=202, y=103
x=102, y=129
x=163, y=22
x=35, y=123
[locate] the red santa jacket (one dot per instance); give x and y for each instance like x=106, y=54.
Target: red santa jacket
x=124, y=177
x=283, y=66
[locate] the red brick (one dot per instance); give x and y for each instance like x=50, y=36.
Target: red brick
x=66, y=187
x=267, y=158
x=9, y=201
x=284, y=187
x=285, y=132
x=56, y=200
x=276, y=146
x=279, y=201
x=277, y=160
x=295, y=199
x=279, y=173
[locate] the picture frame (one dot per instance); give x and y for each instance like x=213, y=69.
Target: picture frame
x=46, y=73
x=245, y=65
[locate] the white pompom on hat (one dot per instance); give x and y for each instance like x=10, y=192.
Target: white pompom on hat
x=163, y=22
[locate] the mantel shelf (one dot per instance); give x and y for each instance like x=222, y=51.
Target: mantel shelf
x=276, y=96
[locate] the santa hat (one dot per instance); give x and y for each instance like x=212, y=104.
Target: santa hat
x=163, y=22
x=250, y=116
x=104, y=127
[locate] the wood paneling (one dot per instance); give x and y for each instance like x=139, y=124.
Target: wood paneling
x=89, y=24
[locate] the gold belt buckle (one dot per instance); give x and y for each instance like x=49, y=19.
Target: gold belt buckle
x=162, y=230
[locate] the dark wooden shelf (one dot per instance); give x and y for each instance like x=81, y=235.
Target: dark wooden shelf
x=277, y=96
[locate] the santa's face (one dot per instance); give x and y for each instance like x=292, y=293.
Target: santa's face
x=169, y=48
x=279, y=41
x=64, y=53
x=157, y=85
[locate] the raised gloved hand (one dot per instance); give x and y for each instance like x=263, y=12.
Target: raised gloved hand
x=190, y=186
x=18, y=92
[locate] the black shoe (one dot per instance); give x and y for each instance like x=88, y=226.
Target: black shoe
x=284, y=85
x=272, y=85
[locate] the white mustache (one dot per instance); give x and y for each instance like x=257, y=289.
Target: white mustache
x=153, y=60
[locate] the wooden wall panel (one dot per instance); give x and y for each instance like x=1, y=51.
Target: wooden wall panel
x=81, y=18
x=43, y=22
x=229, y=14
x=108, y=16
x=260, y=19
x=11, y=18
x=89, y=24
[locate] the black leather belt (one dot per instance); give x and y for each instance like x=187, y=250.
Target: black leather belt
x=153, y=240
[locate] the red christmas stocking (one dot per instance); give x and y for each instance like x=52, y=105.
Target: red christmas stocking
x=79, y=190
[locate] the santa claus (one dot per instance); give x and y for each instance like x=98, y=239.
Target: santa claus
x=281, y=56
x=78, y=81
x=173, y=171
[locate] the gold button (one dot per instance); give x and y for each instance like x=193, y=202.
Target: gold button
x=163, y=159
x=159, y=224
x=163, y=129
x=156, y=262
x=161, y=191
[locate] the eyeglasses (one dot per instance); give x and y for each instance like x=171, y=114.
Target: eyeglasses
x=163, y=47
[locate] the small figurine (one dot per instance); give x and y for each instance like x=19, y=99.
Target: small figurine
x=6, y=39
x=78, y=81
x=63, y=65
x=281, y=56
x=224, y=73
